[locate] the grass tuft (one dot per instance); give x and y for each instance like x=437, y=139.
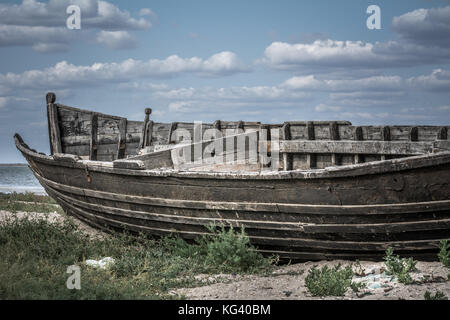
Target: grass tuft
x=444, y=253
x=439, y=295
x=399, y=267
x=330, y=281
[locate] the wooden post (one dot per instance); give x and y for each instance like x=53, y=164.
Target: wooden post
x=53, y=124
x=93, y=142
x=359, y=158
x=149, y=135
x=240, y=127
x=442, y=134
x=310, y=158
x=122, y=143
x=286, y=135
x=264, y=145
x=218, y=126
x=173, y=127
x=414, y=134
x=142, y=142
x=385, y=136
x=334, y=135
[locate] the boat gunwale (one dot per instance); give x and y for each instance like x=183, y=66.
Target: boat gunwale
x=353, y=170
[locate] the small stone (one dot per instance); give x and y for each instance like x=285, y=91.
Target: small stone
x=287, y=293
x=362, y=294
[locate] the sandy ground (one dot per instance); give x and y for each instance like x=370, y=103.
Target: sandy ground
x=288, y=282
x=52, y=217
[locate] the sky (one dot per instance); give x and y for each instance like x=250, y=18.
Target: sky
x=203, y=60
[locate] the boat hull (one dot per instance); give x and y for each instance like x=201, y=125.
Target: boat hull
x=354, y=212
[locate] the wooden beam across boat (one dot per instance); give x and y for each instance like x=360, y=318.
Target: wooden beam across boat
x=357, y=147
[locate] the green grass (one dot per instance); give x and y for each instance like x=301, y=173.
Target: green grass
x=28, y=202
x=36, y=253
x=399, y=267
x=444, y=253
x=331, y=281
x=439, y=295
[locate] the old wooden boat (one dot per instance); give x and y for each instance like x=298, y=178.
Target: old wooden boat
x=313, y=190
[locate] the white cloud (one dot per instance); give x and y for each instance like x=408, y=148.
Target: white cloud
x=438, y=80
x=330, y=55
x=64, y=74
x=148, y=12
x=180, y=106
x=323, y=52
x=424, y=38
x=116, y=39
x=425, y=26
x=95, y=14
x=33, y=36
x=375, y=83
x=43, y=25
x=324, y=108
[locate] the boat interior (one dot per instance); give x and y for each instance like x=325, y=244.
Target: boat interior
x=293, y=145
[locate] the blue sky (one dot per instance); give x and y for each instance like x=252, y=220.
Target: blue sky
x=269, y=61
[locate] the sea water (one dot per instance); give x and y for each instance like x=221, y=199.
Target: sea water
x=20, y=179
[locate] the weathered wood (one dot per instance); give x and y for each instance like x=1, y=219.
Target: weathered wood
x=93, y=145
x=129, y=164
x=343, y=211
x=286, y=135
x=217, y=125
x=239, y=127
x=359, y=158
x=299, y=209
x=142, y=143
x=356, y=147
x=310, y=158
x=442, y=134
x=334, y=135
x=53, y=124
x=121, y=146
x=414, y=134
x=386, y=136
x=173, y=127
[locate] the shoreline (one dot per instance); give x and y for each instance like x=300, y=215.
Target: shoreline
x=38, y=190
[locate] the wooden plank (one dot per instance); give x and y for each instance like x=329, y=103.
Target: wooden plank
x=53, y=124
x=142, y=143
x=359, y=158
x=93, y=145
x=442, y=134
x=121, y=145
x=334, y=135
x=129, y=164
x=286, y=135
x=261, y=225
x=414, y=134
x=355, y=147
x=310, y=134
x=189, y=233
x=355, y=210
x=385, y=136
x=390, y=228
x=173, y=127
